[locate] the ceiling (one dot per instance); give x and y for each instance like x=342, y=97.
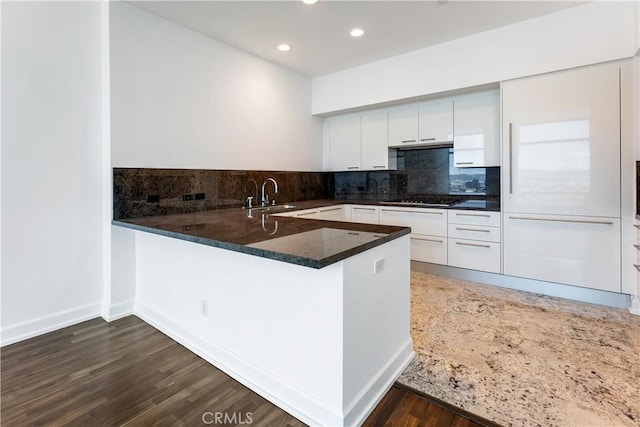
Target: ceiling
x=319, y=34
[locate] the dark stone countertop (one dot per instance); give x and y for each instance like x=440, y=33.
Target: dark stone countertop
x=307, y=242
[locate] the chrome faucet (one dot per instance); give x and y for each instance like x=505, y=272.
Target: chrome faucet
x=265, y=197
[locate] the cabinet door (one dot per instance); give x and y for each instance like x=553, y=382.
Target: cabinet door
x=332, y=213
x=307, y=213
x=436, y=121
x=476, y=130
x=474, y=255
x=432, y=222
x=375, y=146
x=345, y=142
x=573, y=250
x=561, y=149
x=403, y=126
x=431, y=249
x=364, y=214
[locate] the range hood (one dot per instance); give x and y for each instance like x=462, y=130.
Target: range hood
x=423, y=146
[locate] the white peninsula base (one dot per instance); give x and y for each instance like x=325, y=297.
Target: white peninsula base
x=323, y=344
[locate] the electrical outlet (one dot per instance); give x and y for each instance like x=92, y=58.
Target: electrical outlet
x=378, y=265
x=187, y=197
x=204, y=307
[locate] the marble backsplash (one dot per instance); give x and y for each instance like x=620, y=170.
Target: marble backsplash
x=638, y=187
x=150, y=192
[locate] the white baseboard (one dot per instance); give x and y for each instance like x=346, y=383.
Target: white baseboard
x=118, y=311
x=302, y=405
x=592, y=296
x=41, y=325
x=361, y=407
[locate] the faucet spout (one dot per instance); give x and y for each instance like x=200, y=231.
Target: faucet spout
x=265, y=196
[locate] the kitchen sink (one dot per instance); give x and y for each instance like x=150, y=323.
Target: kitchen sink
x=274, y=208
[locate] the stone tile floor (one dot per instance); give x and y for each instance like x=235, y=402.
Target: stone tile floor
x=523, y=359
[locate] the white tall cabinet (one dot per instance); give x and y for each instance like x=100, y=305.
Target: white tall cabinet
x=561, y=177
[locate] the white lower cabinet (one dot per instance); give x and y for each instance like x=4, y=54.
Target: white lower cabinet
x=572, y=250
x=365, y=214
x=428, y=231
x=335, y=213
x=474, y=240
x=431, y=249
x=474, y=254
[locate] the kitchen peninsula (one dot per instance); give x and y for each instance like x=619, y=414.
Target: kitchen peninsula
x=313, y=315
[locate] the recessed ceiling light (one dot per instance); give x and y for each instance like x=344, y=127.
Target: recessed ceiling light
x=284, y=47
x=357, y=32
x=310, y=1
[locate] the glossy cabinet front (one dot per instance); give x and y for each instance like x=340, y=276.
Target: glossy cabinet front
x=573, y=250
x=344, y=134
x=476, y=139
x=561, y=143
x=428, y=231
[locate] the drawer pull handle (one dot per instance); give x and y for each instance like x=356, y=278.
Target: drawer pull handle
x=574, y=221
x=403, y=211
x=408, y=141
x=306, y=213
x=329, y=210
x=510, y=158
x=476, y=215
x=379, y=167
x=427, y=240
x=427, y=139
x=464, y=163
x=637, y=266
x=473, y=244
x=353, y=167
x=473, y=229
x=364, y=209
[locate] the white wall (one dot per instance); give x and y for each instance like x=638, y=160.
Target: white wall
x=587, y=34
x=51, y=166
x=183, y=100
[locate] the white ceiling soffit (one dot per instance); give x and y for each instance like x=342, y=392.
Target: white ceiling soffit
x=319, y=34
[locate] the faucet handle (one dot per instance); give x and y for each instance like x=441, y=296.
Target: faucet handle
x=249, y=199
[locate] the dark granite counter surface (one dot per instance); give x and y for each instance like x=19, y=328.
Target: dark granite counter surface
x=306, y=242
x=475, y=205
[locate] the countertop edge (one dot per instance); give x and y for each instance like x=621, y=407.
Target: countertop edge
x=263, y=253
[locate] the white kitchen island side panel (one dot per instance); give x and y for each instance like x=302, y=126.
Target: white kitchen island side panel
x=273, y=326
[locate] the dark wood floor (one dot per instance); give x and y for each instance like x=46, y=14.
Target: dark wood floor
x=126, y=373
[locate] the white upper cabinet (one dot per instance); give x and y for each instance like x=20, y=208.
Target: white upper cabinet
x=476, y=131
x=359, y=142
x=429, y=122
x=403, y=125
x=436, y=122
x=374, y=147
x=561, y=143
x=344, y=140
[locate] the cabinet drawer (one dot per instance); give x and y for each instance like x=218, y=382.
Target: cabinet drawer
x=579, y=251
x=431, y=249
x=430, y=222
x=307, y=213
x=474, y=232
x=491, y=219
x=332, y=213
x=364, y=214
x=475, y=255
